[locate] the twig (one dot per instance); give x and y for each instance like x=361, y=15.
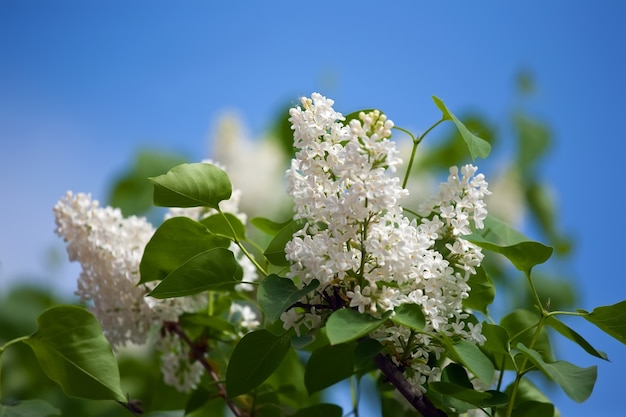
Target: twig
x=198, y=353
x=415, y=398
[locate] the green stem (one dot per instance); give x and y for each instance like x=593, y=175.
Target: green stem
x=12, y=342
x=355, y=388
x=416, y=142
x=565, y=313
x=2, y=349
x=242, y=247
x=521, y=371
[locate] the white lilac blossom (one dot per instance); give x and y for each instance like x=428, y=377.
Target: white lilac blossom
x=358, y=243
x=109, y=248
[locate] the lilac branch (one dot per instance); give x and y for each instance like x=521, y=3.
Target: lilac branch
x=414, y=397
x=198, y=352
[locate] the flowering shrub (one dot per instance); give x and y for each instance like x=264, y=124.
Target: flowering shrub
x=360, y=282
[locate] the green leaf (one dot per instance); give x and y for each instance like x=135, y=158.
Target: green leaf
x=326, y=410
x=167, y=413
x=29, y=408
x=528, y=392
x=268, y=226
x=175, y=242
x=521, y=325
x=212, y=322
x=524, y=255
x=355, y=115
x=73, y=352
x=560, y=327
x=500, y=233
x=500, y=238
x=365, y=352
x=533, y=142
x=346, y=325
x=275, y=252
x=483, y=291
x=131, y=191
x=192, y=185
x=610, y=319
x=254, y=359
x=409, y=315
x=466, y=395
x=576, y=382
x=473, y=358
x=329, y=365
x=276, y=294
x=479, y=148
x=225, y=224
x=497, y=345
x=213, y=269
x=533, y=409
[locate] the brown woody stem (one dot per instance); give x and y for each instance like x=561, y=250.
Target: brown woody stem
x=414, y=397
x=198, y=353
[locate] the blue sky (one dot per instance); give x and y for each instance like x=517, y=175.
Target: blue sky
x=83, y=85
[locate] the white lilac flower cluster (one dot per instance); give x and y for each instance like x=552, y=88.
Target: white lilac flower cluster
x=109, y=248
x=358, y=243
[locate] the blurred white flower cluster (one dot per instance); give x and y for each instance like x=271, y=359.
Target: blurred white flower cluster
x=358, y=242
x=109, y=248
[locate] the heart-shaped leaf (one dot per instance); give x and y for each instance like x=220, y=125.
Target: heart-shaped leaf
x=255, y=358
x=192, y=185
x=73, y=352
x=213, y=269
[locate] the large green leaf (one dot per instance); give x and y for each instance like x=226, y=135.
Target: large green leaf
x=213, y=269
x=275, y=252
x=326, y=410
x=192, y=185
x=254, y=359
x=610, y=319
x=329, y=365
x=409, y=315
x=73, y=352
x=175, y=242
x=479, y=148
x=483, y=291
x=473, y=358
x=576, y=382
x=346, y=325
x=29, y=408
x=276, y=294
x=562, y=328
